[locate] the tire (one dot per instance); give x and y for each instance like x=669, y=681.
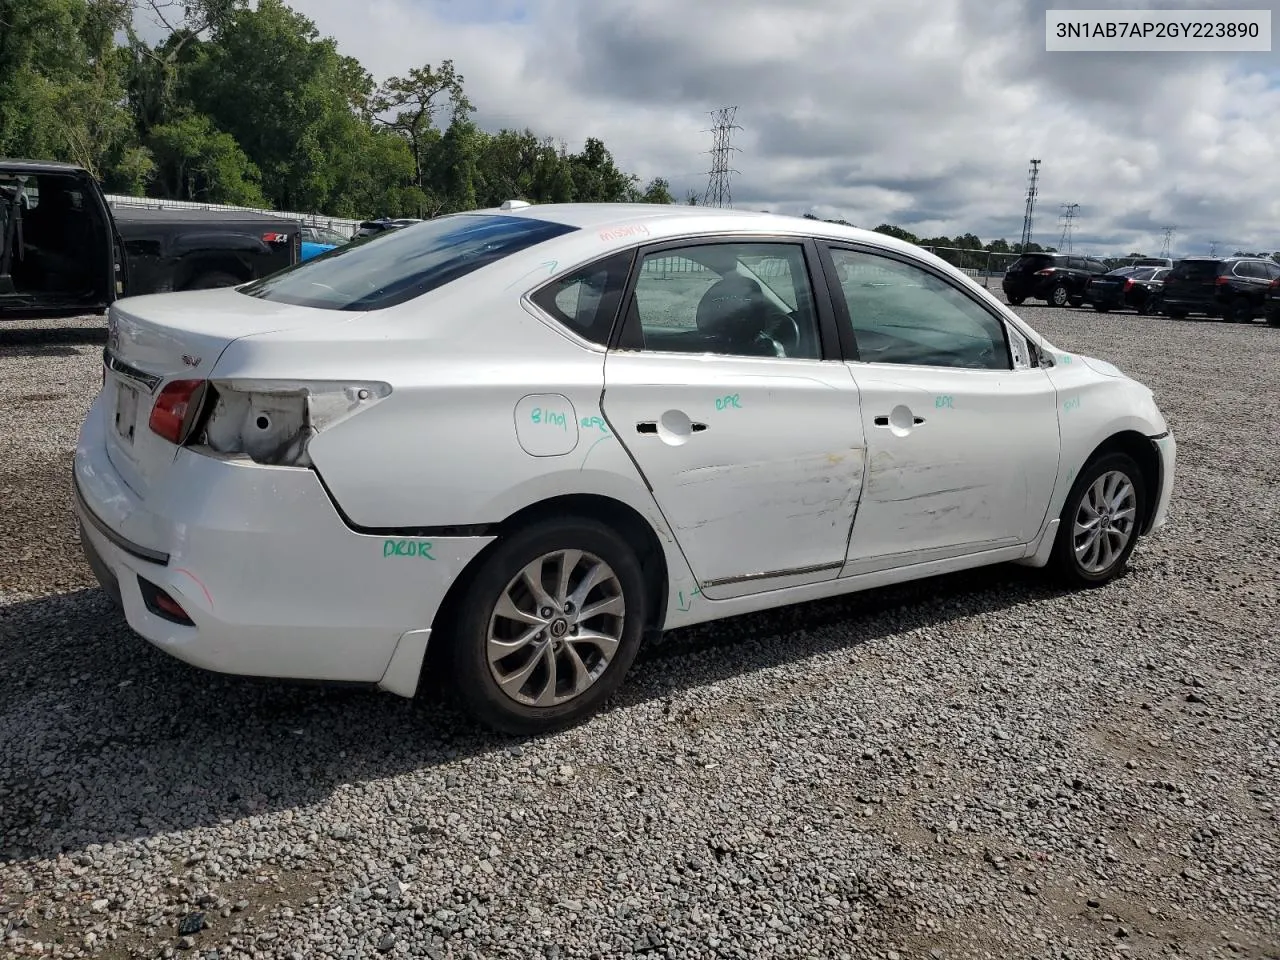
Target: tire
x=1175, y=314
x=212, y=280
x=1015, y=301
x=1058, y=296
x=1100, y=308
x=500, y=576
x=1075, y=570
x=1273, y=319
x=1076, y=301
x=1238, y=310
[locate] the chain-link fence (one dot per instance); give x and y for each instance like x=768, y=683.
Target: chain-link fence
x=343, y=225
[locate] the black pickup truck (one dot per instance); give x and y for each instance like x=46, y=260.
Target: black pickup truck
x=65, y=251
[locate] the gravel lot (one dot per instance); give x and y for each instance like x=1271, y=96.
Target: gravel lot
x=973, y=767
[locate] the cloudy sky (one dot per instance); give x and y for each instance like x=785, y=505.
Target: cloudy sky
x=923, y=113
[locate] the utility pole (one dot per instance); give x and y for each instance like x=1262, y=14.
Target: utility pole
x=1033, y=175
x=1068, y=223
x=1168, y=241
x=718, y=193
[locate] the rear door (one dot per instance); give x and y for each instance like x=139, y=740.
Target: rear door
x=962, y=432
x=727, y=390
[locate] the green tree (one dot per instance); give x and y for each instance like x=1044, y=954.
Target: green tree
x=890, y=230
x=414, y=102
x=285, y=94
x=596, y=177
x=61, y=81
x=658, y=191
x=195, y=161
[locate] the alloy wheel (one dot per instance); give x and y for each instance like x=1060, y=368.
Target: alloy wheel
x=1105, y=521
x=555, y=628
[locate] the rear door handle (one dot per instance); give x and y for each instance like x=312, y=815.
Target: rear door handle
x=651, y=427
x=884, y=421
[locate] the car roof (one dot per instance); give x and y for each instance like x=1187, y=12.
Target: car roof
x=665, y=219
x=37, y=166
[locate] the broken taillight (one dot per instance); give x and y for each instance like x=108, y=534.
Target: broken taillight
x=175, y=409
x=272, y=422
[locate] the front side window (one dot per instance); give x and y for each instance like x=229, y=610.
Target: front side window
x=903, y=314
x=739, y=299
x=373, y=273
x=586, y=300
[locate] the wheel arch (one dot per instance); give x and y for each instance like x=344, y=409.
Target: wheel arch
x=621, y=517
x=1139, y=446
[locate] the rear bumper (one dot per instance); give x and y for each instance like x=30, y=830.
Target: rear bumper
x=1106, y=296
x=275, y=584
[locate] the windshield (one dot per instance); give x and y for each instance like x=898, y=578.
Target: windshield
x=372, y=273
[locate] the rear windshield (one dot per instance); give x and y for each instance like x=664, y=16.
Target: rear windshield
x=1197, y=269
x=1032, y=261
x=372, y=273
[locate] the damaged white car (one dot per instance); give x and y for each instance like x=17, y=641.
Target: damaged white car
x=526, y=438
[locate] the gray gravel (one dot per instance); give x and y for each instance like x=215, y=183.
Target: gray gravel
x=978, y=766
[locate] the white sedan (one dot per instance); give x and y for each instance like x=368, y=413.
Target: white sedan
x=530, y=437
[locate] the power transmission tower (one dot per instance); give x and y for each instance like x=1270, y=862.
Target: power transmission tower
x=1068, y=224
x=1168, y=241
x=1033, y=175
x=718, y=193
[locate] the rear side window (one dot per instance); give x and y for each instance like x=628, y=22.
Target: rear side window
x=374, y=273
x=587, y=300
x=1031, y=262
x=1197, y=269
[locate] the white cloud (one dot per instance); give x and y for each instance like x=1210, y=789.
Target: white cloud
x=918, y=112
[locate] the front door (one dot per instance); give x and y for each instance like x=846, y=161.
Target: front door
x=751, y=442
x=962, y=433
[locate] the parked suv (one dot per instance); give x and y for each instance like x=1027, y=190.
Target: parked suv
x=1233, y=288
x=1272, y=308
x=1057, y=278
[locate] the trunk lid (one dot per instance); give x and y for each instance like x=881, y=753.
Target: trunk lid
x=155, y=340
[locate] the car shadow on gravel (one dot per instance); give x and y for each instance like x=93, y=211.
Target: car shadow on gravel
x=105, y=738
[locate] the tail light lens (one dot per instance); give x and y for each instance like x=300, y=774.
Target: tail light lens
x=272, y=422
x=1048, y=271
x=1128, y=285
x=175, y=409
x=1221, y=281
x=1275, y=284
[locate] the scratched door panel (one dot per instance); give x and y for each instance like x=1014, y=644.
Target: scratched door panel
x=756, y=463
x=966, y=463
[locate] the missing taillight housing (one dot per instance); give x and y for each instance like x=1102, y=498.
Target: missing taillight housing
x=176, y=408
x=273, y=422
